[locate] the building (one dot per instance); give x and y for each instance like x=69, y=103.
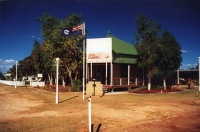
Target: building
x=111, y=61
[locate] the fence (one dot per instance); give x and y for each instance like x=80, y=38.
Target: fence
x=13, y=83
x=34, y=84
x=124, y=81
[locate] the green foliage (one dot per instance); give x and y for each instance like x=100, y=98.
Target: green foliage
x=42, y=58
x=36, y=57
x=47, y=59
x=56, y=45
x=158, y=50
x=147, y=45
x=76, y=85
x=171, y=54
x=30, y=65
x=49, y=24
x=2, y=77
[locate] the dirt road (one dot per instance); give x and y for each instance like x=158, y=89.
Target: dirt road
x=162, y=115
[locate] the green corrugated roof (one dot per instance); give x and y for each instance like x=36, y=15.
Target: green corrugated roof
x=124, y=52
x=125, y=60
x=122, y=47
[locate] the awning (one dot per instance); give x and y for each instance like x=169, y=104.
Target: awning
x=125, y=60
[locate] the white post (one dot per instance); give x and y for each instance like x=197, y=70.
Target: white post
x=143, y=79
x=178, y=77
x=83, y=33
x=57, y=66
x=16, y=76
x=199, y=73
x=89, y=114
x=164, y=83
x=149, y=84
x=91, y=71
x=111, y=74
x=106, y=73
x=136, y=81
x=86, y=72
x=128, y=75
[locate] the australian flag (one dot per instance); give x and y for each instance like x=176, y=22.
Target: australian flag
x=78, y=30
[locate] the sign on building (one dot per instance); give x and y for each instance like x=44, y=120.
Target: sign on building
x=99, y=50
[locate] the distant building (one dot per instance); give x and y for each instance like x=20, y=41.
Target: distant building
x=8, y=76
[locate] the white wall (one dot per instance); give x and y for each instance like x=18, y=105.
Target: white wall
x=34, y=84
x=12, y=83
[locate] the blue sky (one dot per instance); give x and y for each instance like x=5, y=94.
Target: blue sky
x=19, y=27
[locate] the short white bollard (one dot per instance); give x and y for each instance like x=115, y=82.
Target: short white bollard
x=136, y=81
x=89, y=114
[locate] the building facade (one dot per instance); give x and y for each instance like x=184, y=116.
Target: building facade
x=111, y=61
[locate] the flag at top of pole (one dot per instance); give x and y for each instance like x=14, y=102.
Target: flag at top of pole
x=78, y=30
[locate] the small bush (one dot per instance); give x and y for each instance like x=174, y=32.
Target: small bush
x=76, y=86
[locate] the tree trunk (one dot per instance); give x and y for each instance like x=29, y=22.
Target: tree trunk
x=50, y=79
x=70, y=78
x=149, y=83
x=164, y=83
x=63, y=82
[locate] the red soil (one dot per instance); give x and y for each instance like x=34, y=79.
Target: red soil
x=145, y=91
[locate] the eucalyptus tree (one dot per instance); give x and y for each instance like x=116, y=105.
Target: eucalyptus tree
x=71, y=54
x=56, y=45
x=36, y=56
x=170, y=59
x=148, y=45
x=47, y=61
x=25, y=67
x=2, y=77
x=158, y=50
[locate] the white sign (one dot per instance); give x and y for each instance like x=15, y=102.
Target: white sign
x=39, y=75
x=99, y=50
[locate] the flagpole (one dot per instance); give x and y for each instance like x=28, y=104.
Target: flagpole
x=199, y=73
x=83, y=32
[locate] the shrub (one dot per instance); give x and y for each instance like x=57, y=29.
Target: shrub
x=76, y=86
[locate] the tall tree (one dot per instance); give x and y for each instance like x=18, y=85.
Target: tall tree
x=60, y=46
x=31, y=65
x=148, y=46
x=36, y=57
x=48, y=62
x=2, y=77
x=170, y=59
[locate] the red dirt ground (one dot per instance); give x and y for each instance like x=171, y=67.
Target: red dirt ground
x=145, y=91
x=135, y=116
